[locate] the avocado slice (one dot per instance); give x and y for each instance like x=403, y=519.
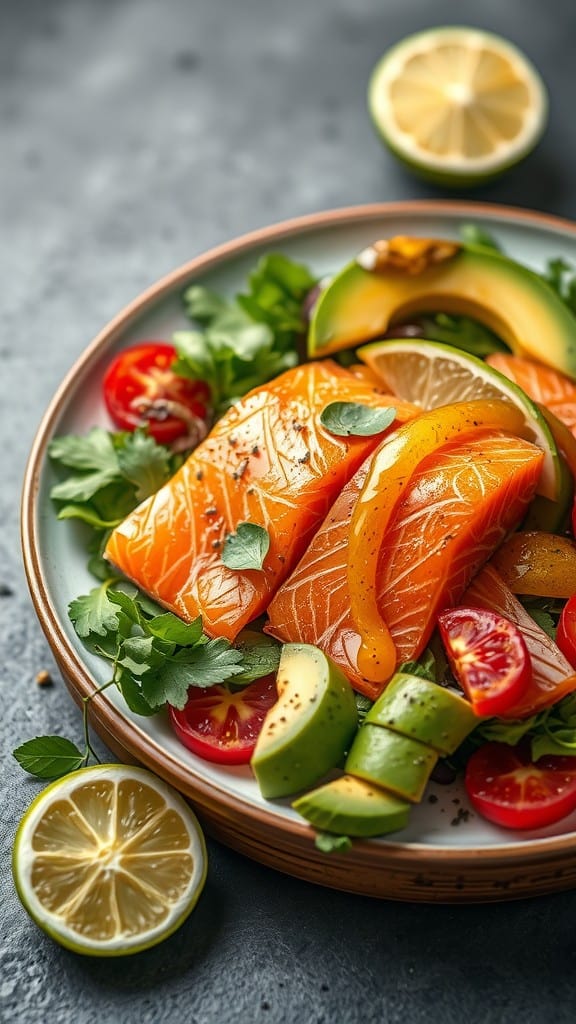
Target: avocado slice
x=310, y=728
x=424, y=711
x=397, y=763
x=393, y=279
x=352, y=807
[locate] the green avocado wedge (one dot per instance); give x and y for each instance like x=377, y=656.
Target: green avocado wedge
x=394, y=762
x=517, y=304
x=424, y=711
x=311, y=726
x=352, y=807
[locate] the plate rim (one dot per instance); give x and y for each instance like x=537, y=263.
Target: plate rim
x=119, y=731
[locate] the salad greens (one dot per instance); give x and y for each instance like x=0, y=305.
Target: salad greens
x=241, y=344
x=154, y=657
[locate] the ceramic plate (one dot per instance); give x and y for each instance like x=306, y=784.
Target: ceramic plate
x=440, y=857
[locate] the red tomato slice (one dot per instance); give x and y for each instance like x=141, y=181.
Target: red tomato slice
x=488, y=656
x=142, y=390
x=506, y=787
x=222, y=726
x=566, y=632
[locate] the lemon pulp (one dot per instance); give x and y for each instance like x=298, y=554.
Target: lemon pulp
x=109, y=860
x=458, y=102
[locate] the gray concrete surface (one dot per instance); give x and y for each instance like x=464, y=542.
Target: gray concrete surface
x=133, y=135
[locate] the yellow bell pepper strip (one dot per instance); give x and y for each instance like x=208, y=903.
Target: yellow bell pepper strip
x=540, y=564
x=391, y=470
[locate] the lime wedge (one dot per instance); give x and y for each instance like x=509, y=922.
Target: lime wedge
x=109, y=860
x=457, y=105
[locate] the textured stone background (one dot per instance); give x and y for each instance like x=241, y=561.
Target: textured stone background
x=135, y=134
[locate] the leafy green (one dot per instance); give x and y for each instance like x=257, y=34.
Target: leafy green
x=247, y=548
x=461, y=332
x=245, y=342
x=363, y=705
x=260, y=656
x=49, y=757
x=111, y=474
x=561, y=276
x=552, y=731
x=426, y=666
x=473, y=234
x=328, y=843
x=155, y=656
x=346, y=418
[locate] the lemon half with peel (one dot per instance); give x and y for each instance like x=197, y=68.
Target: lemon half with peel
x=457, y=105
x=109, y=860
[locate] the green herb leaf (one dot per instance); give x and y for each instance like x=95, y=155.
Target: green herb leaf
x=88, y=515
x=94, y=613
x=94, y=455
x=260, y=656
x=473, y=234
x=363, y=705
x=170, y=628
x=131, y=690
x=248, y=341
x=202, y=666
x=247, y=548
x=561, y=276
x=328, y=843
x=346, y=418
x=49, y=757
x=425, y=666
x=144, y=463
x=463, y=333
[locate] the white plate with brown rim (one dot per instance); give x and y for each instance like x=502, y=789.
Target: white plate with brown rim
x=447, y=854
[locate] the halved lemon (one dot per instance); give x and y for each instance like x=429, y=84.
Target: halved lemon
x=109, y=860
x=431, y=374
x=458, y=105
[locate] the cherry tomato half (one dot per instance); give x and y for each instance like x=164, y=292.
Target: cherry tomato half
x=142, y=390
x=506, y=787
x=566, y=632
x=488, y=656
x=222, y=726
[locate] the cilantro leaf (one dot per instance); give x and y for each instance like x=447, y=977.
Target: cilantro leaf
x=144, y=463
x=203, y=305
x=247, y=548
x=94, y=613
x=94, y=455
x=328, y=843
x=202, y=666
x=353, y=418
x=260, y=656
x=424, y=667
x=88, y=515
x=141, y=654
x=170, y=628
x=49, y=757
x=131, y=690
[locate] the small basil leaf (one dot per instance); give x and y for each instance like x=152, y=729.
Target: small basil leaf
x=247, y=548
x=347, y=418
x=49, y=757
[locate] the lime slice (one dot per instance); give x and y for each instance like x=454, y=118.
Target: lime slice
x=109, y=860
x=431, y=374
x=457, y=105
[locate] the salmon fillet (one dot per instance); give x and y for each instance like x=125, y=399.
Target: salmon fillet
x=268, y=461
x=460, y=504
x=553, y=676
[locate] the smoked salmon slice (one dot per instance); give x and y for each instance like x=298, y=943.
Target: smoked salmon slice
x=268, y=461
x=460, y=504
x=553, y=677
x=541, y=383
